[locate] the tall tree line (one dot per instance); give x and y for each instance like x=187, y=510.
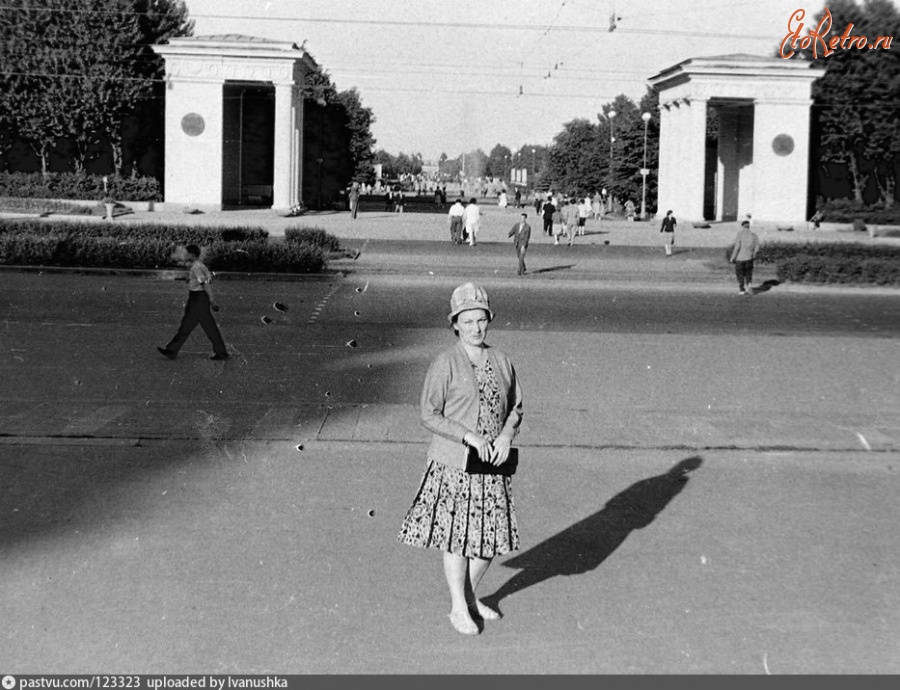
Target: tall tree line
x=856, y=104
x=74, y=72
x=74, y=77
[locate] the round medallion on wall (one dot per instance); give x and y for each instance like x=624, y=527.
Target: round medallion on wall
x=783, y=144
x=192, y=124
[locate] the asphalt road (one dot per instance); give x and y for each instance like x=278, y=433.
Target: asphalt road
x=159, y=517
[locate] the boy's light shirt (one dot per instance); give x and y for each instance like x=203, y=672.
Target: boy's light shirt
x=198, y=277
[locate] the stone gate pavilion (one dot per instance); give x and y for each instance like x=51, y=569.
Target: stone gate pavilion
x=761, y=165
x=234, y=121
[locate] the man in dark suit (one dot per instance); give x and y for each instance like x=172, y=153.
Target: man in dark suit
x=521, y=234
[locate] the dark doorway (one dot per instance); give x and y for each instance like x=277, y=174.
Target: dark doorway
x=248, y=144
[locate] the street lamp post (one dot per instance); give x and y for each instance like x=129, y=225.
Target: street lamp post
x=612, y=138
x=533, y=171
x=644, y=171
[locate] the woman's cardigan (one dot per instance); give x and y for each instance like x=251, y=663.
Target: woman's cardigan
x=449, y=405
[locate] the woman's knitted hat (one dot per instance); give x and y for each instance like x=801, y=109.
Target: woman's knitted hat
x=469, y=296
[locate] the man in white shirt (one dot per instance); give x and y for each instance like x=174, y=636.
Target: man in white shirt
x=455, y=215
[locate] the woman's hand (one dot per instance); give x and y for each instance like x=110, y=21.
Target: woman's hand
x=500, y=450
x=480, y=444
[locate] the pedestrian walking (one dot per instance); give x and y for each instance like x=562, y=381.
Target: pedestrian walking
x=629, y=210
x=596, y=201
x=198, y=310
x=668, y=230
x=399, y=199
x=584, y=210
x=503, y=200
x=455, y=215
x=559, y=225
x=521, y=234
x=518, y=198
x=746, y=246
x=472, y=220
x=472, y=404
x=547, y=211
x=354, y=199
x=570, y=214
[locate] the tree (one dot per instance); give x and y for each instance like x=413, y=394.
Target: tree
x=576, y=161
x=359, y=122
x=337, y=139
x=857, y=101
x=78, y=71
x=473, y=164
x=499, y=162
x=579, y=161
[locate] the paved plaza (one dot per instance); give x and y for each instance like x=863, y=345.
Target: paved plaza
x=195, y=516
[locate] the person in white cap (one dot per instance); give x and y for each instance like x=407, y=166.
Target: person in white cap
x=471, y=399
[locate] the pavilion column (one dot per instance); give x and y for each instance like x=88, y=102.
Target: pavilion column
x=665, y=189
x=692, y=169
x=728, y=170
x=286, y=175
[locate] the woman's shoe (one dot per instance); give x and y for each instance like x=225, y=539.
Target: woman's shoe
x=487, y=613
x=464, y=623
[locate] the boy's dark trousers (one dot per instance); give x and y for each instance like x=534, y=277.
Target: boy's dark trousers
x=197, y=311
x=744, y=272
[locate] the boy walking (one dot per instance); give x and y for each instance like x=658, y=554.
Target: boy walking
x=199, y=308
x=746, y=246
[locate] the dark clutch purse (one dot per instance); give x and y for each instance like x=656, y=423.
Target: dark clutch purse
x=475, y=465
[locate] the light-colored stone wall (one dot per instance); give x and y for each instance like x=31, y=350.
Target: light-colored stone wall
x=196, y=72
x=752, y=178
x=194, y=163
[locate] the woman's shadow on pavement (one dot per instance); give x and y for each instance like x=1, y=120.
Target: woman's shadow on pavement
x=586, y=544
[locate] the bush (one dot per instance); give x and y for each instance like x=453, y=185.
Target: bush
x=108, y=245
x=820, y=269
x=24, y=249
x=848, y=210
x=774, y=252
x=174, y=234
x=285, y=257
x=313, y=236
x=78, y=186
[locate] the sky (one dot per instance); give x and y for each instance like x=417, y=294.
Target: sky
x=451, y=76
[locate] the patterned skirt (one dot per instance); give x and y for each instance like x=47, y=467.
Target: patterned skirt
x=471, y=515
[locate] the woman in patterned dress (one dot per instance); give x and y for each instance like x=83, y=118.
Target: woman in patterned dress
x=471, y=398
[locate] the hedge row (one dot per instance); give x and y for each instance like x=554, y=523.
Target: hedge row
x=78, y=186
x=315, y=237
x=27, y=249
x=848, y=210
x=842, y=263
x=179, y=234
x=773, y=252
x=821, y=269
x=146, y=245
